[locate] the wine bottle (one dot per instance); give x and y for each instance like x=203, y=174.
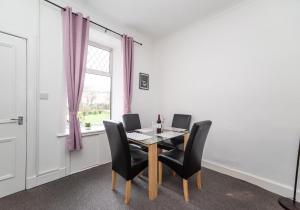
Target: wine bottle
x=158, y=129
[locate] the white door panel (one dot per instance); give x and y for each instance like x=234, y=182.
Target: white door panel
x=7, y=53
x=12, y=105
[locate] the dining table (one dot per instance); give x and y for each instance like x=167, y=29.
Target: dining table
x=152, y=144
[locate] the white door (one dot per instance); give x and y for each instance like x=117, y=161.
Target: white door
x=12, y=114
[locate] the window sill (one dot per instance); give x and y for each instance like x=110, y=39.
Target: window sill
x=85, y=132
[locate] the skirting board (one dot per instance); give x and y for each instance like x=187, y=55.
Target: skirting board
x=89, y=167
x=52, y=175
x=267, y=184
x=46, y=177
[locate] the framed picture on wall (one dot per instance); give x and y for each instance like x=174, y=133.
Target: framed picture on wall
x=144, y=81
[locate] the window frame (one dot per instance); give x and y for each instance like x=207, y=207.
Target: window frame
x=103, y=73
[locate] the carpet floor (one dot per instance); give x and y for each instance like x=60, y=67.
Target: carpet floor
x=91, y=190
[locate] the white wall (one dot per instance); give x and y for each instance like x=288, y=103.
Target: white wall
x=145, y=102
x=240, y=69
x=22, y=21
x=11, y=22
x=40, y=24
x=52, y=159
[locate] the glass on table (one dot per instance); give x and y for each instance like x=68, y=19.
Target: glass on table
x=153, y=126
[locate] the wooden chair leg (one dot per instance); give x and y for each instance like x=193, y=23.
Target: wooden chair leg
x=185, y=189
x=160, y=172
x=113, y=180
x=127, y=191
x=199, y=180
x=173, y=173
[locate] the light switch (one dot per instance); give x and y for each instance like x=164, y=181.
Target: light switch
x=44, y=96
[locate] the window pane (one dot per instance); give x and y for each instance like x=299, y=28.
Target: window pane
x=95, y=101
x=98, y=59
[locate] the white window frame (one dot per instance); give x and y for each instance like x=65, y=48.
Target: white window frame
x=103, y=73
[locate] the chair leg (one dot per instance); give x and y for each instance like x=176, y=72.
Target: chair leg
x=127, y=191
x=199, y=180
x=186, y=189
x=173, y=173
x=160, y=172
x=113, y=180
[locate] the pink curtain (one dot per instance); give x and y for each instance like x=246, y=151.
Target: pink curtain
x=75, y=34
x=127, y=45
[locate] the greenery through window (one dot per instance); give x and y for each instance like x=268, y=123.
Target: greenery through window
x=96, y=97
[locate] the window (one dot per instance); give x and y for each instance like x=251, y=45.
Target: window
x=96, y=97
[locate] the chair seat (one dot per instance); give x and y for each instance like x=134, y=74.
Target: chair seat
x=177, y=140
x=173, y=159
x=139, y=161
x=171, y=144
x=136, y=146
x=138, y=154
x=166, y=145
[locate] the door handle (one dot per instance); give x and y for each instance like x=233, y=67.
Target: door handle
x=19, y=120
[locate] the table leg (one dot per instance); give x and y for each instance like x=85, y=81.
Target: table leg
x=186, y=138
x=152, y=176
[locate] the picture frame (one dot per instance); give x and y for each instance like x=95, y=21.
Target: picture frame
x=144, y=81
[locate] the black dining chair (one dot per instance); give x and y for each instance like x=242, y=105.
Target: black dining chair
x=131, y=123
x=127, y=162
x=187, y=163
x=179, y=121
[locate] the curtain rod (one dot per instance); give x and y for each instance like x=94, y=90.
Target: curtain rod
x=105, y=28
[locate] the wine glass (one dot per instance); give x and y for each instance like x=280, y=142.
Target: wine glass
x=163, y=119
x=154, y=126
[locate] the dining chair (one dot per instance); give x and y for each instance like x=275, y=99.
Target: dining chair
x=187, y=163
x=179, y=121
x=131, y=123
x=127, y=161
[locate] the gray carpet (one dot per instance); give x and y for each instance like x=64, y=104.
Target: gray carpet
x=92, y=190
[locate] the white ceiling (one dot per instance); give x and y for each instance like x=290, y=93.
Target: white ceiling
x=157, y=18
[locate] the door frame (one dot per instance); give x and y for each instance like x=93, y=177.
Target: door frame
x=32, y=63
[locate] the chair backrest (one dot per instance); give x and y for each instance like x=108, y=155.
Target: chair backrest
x=119, y=147
x=194, y=148
x=131, y=122
x=182, y=121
